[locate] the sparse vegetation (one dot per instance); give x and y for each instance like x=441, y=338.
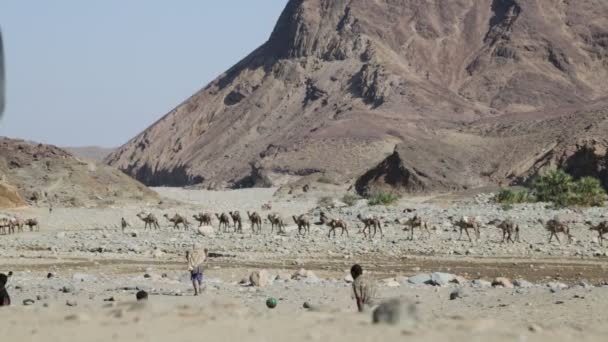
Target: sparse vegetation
x=383, y=199
x=326, y=180
x=325, y=202
x=350, y=199
x=556, y=187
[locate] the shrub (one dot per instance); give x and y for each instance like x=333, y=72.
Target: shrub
x=588, y=191
x=556, y=186
x=383, y=199
x=350, y=199
x=510, y=197
x=325, y=202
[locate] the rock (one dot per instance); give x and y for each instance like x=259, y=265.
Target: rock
x=441, y=279
x=60, y=235
x=535, y=328
x=68, y=289
x=83, y=277
x=111, y=299
x=556, y=286
x=395, y=312
x=349, y=279
x=71, y=302
x=480, y=283
x=502, y=281
x=392, y=283
x=28, y=302
x=306, y=305
x=306, y=275
x=79, y=317
x=205, y=231
x=457, y=293
x=420, y=279
x=521, y=283
x=459, y=280
x=157, y=254
x=259, y=278
x=49, y=275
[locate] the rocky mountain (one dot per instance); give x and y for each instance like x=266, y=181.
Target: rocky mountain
x=40, y=174
x=417, y=95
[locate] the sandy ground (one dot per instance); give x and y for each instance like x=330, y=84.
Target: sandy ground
x=92, y=260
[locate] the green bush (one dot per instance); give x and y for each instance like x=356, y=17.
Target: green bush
x=325, y=202
x=510, y=197
x=559, y=188
x=588, y=191
x=383, y=199
x=350, y=199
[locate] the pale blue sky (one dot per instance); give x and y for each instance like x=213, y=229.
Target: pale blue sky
x=85, y=72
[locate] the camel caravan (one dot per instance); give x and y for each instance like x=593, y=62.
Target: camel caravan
x=12, y=224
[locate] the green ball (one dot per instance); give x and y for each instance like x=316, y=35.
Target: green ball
x=271, y=303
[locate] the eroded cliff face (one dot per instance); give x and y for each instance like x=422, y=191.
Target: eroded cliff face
x=340, y=83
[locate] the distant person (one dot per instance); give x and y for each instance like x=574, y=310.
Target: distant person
x=195, y=258
x=364, y=288
x=141, y=295
x=50, y=209
x=124, y=224
x=5, y=300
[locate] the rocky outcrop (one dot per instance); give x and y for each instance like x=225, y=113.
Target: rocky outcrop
x=47, y=175
x=340, y=83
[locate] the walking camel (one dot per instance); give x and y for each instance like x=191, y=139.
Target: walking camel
x=256, y=220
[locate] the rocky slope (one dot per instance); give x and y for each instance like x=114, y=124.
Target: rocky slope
x=94, y=153
x=46, y=175
x=340, y=83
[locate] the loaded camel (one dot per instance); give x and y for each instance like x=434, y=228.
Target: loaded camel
x=465, y=223
x=509, y=229
x=555, y=226
x=601, y=228
x=178, y=219
x=203, y=219
x=236, y=221
x=256, y=220
x=276, y=220
x=303, y=224
x=224, y=221
x=149, y=220
x=370, y=222
x=334, y=224
x=413, y=223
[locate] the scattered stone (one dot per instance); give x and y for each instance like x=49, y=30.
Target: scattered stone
x=441, y=279
x=457, y=293
x=556, y=287
x=111, y=299
x=49, y=275
x=395, y=312
x=28, y=302
x=68, y=289
x=502, y=281
x=420, y=279
x=71, y=302
x=349, y=279
x=306, y=305
x=480, y=283
x=79, y=317
x=535, y=328
x=259, y=278
x=523, y=284
x=83, y=277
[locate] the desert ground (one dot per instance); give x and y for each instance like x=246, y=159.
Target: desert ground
x=79, y=274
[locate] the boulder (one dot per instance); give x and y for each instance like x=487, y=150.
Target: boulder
x=441, y=279
x=480, y=283
x=349, y=279
x=83, y=277
x=259, y=278
x=420, y=279
x=205, y=231
x=397, y=311
x=523, y=284
x=503, y=282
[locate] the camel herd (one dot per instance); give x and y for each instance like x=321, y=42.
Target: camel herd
x=371, y=225
x=14, y=224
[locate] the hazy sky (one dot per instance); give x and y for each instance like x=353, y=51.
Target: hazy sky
x=85, y=72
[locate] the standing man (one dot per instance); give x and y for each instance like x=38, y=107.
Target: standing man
x=5, y=300
x=364, y=288
x=196, y=258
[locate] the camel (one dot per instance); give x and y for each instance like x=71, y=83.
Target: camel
x=224, y=221
x=465, y=223
x=31, y=223
x=256, y=220
x=18, y=224
x=303, y=224
x=276, y=220
x=555, y=226
x=413, y=223
x=149, y=220
x=203, y=219
x=5, y=224
x=369, y=223
x=601, y=228
x=236, y=221
x=509, y=228
x=178, y=219
x=266, y=206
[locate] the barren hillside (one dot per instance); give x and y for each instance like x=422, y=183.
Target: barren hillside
x=46, y=175
x=467, y=89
